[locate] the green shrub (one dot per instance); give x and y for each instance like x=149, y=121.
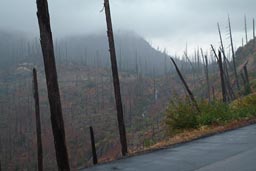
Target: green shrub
x=182, y=114
x=213, y=113
x=244, y=107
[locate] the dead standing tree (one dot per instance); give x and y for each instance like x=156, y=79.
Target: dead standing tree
x=94, y=153
x=253, y=31
x=225, y=63
x=186, y=86
x=38, y=123
x=233, y=53
x=52, y=85
x=245, y=29
x=1, y=152
x=205, y=61
x=246, y=78
x=116, y=82
x=223, y=87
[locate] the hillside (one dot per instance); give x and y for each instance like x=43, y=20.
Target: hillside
x=148, y=83
x=134, y=54
x=87, y=100
x=247, y=54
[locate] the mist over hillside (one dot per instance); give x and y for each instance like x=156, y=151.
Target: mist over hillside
x=134, y=54
x=11, y=47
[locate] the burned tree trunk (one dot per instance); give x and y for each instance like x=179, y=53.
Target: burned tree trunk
x=186, y=85
x=205, y=61
x=233, y=54
x=244, y=82
x=1, y=152
x=225, y=67
x=116, y=83
x=223, y=87
x=38, y=123
x=245, y=29
x=253, y=23
x=52, y=86
x=247, y=85
x=225, y=63
x=243, y=78
x=207, y=78
x=221, y=42
x=189, y=61
x=94, y=154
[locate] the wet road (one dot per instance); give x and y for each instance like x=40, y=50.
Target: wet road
x=230, y=151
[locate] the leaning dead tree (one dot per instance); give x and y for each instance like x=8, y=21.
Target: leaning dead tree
x=52, y=85
x=225, y=63
x=223, y=87
x=190, y=63
x=233, y=54
x=94, y=153
x=224, y=93
x=38, y=123
x=192, y=98
x=116, y=82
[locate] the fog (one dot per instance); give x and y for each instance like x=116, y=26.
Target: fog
x=167, y=24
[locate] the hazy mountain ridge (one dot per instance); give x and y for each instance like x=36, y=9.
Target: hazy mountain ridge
x=134, y=54
x=131, y=50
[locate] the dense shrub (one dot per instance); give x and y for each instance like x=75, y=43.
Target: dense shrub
x=244, y=107
x=183, y=115
x=213, y=113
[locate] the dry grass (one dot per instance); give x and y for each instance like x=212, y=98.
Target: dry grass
x=193, y=134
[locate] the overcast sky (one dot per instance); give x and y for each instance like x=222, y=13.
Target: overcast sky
x=168, y=24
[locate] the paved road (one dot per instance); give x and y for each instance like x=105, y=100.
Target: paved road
x=230, y=151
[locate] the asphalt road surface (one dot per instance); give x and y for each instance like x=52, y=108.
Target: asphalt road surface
x=230, y=151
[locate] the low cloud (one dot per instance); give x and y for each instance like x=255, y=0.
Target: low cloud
x=158, y=21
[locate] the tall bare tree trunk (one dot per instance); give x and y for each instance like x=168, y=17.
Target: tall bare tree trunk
x=245, y=29
x=205, y=62
x=207, y=78
x=243, y=78
x=116, y=83
x=186, y=86
x=137, y=66
x=38, y=123
x=225, y=63
x=223, y=87
x=233, y=54
x=52, y=86
x=253, y=23
x=94, y=153
x=248, y=88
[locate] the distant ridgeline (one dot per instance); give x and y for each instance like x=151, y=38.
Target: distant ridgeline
x=135, y=55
